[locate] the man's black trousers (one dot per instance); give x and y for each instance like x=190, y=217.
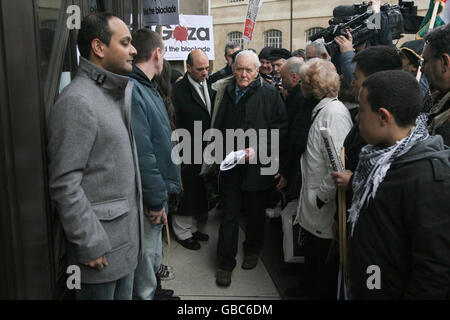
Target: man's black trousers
x=321, y=268
x=233, y=200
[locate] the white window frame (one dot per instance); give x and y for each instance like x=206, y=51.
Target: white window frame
x=273, y=38
x=236, y=37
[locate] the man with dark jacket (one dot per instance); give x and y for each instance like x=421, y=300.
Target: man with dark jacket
x=436, y=66
x=411, y=55
x=289, y=169
x=265, y=70
x=93, y=166
x=192, y=100
x=160, y=176
x=246, y=102
x=399, y=244
x=278, y=58
x=230, y=48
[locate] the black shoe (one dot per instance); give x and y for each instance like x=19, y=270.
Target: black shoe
x=250, y=261
x=189, y=243
x=200, y=236
x=223, y=278
x=163, y=294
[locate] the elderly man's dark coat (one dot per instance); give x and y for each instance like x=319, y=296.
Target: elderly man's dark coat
x=261, y=107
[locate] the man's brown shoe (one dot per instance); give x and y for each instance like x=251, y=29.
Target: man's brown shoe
x=250, y=261
x=223, y=278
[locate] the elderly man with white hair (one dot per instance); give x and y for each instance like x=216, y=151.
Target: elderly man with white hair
x=245, y=102
x=316, y=49
x=295, y=103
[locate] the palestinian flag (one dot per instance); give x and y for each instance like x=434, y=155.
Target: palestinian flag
x=442, y=17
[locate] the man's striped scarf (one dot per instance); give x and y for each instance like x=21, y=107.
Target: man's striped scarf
x=374, y=162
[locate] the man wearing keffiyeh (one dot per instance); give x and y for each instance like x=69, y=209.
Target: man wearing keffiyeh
x=400, y=213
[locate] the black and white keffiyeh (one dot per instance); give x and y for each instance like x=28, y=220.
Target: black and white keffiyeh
x=374, y=162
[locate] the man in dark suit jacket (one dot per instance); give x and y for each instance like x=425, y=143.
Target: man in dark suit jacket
x=192, y=100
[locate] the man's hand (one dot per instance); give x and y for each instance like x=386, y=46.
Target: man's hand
x=345, y=44
x=341, y=179
x=282, y=183
x=157, y=216
x=249, y=154
x=98, y=263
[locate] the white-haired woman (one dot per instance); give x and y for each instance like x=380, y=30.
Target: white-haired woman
x=317, y=207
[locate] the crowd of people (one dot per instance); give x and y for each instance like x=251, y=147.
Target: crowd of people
x=113, y=178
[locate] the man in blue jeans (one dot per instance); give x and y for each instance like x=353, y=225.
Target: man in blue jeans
x=159, y=175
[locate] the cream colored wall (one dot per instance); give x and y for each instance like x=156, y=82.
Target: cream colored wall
x=275, y=14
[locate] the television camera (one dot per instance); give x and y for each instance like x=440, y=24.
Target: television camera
x=364, y=24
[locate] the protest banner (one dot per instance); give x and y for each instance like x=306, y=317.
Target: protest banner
x=159, y=12
x=193, y=32
x=250, y=20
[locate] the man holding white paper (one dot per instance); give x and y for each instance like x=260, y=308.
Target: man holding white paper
x=247, y=104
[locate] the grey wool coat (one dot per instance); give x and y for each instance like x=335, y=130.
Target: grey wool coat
x=94, y=173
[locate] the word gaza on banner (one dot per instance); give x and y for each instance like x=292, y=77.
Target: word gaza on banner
x=159, y=12
x=193, y=32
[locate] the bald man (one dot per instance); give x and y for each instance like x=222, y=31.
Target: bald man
x=192, y=100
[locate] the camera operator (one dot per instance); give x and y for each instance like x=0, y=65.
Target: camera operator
x=383, y=36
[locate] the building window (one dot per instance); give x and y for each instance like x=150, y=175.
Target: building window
x=236, y=37
x=272, y=38
x=312, y=31
x=236, y=0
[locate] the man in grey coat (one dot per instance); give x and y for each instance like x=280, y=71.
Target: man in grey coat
x=93, y=166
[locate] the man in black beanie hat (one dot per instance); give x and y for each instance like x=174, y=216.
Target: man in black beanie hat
x=265, y=70
x=278, y=58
